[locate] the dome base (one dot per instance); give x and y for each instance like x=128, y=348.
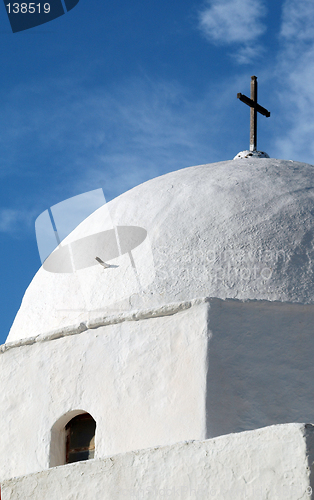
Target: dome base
x=249, y=154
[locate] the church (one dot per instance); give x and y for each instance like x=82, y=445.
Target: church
x=165, y=348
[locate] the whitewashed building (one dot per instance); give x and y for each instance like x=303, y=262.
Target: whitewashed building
x=187, y=363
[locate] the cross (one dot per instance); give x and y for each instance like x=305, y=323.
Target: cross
x=255, y=107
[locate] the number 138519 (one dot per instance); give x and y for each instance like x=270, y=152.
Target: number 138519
x=30, y=8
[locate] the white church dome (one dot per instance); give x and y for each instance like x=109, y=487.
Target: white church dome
x=239, y=229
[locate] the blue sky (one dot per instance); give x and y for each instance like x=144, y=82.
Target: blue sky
x=115, y=93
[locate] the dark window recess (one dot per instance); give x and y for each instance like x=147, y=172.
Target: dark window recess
x=80, y=438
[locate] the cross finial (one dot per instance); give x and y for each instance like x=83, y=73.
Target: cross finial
x=255, y=108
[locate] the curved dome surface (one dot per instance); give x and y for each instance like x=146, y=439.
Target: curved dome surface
x=238, y=229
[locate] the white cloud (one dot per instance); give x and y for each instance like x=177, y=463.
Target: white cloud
x=86, y=138
x=154, y=127
x=297, y=21
x=295, y=79
x=247, y=54
x=14, y=221
x=226, y=22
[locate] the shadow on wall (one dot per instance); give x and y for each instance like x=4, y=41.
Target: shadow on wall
x=260, y=365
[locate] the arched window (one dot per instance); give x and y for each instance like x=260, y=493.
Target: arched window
x=80, y=438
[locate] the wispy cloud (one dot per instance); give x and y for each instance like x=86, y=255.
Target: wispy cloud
x=297, y=21
x=114, y=138
x=234, y=22
x=14, y=221
x=295, y=78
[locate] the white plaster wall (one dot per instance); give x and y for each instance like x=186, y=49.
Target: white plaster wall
x=270, y=463
x=260, y=365
x=143, y=382
x=238, y=229
x=184, y=372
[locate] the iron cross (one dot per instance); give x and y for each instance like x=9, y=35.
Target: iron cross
x=255, y=108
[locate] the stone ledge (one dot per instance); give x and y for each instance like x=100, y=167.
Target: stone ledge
x=89, y=324
x=272, y=462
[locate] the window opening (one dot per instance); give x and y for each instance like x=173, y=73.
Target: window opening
x=80, y=438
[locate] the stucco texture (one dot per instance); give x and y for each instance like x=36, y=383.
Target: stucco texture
x=236, y=229
x=270, y=463
x=142, y=381
x=217, y=367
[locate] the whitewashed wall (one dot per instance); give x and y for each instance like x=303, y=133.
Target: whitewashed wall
x=236, y=229
x=188, y=371
x=142, y=381
x=260, y=365
x=270, y=463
